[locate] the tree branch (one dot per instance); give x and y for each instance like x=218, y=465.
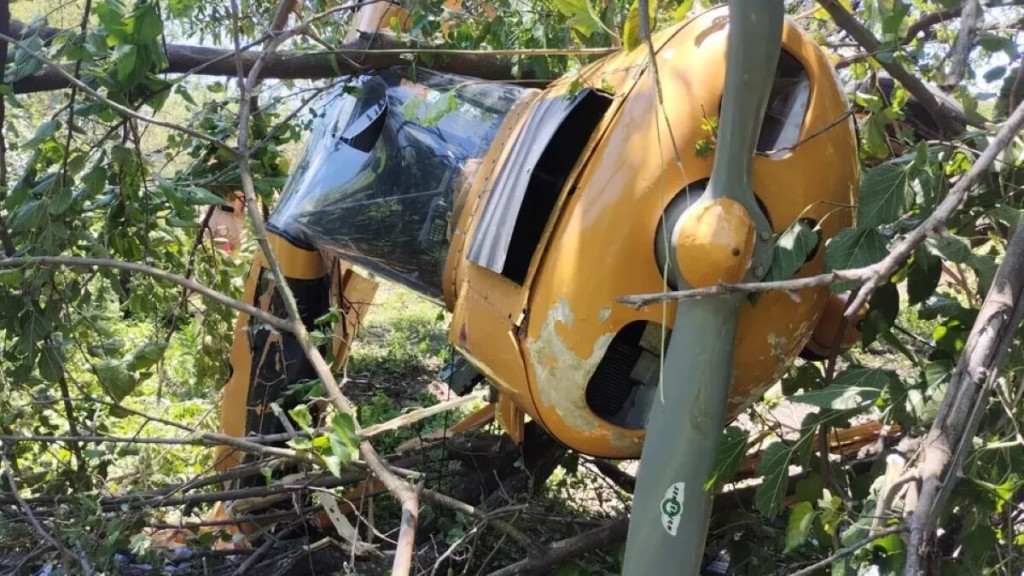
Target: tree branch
x=374, y=51
x=969, y=15
x=971, y=383
x=75, y=262
x=848, y=551
x=937, y=221
x=562, y=550
x=927, y=21
x=395, y=485
x=946, y=116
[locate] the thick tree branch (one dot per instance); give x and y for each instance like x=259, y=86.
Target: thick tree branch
x=946, y=116
x=971, y=383
x=373, y=51
x=401, y=490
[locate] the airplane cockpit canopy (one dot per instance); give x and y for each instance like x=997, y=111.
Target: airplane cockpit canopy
x=379, y=176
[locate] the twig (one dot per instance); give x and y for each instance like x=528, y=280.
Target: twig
x=398, y=487
x=75, y=262
x=562, y=550
x=409, y=500
x=848, y=551
x=42, y=531
x=853, y=274
x=504, y=527
x=414, y=416
x=262, y=551
x=937, y=221
x=204, y=439
x=925, y=23
x=625, y=481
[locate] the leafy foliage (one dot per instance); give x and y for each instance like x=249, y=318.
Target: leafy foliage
x=87, y=351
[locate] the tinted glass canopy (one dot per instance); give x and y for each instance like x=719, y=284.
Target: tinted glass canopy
x=380, y=175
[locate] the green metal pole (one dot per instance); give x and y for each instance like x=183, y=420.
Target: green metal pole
x=669, y=520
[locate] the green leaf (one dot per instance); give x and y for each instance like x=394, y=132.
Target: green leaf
x=994, y=73
x=95, y=180
x=631, y=37
x=126, y=61
x=411, y=109
x=683, y=10
x=886, y=302
x=344, y=427
x=952, y=248
x=145, y=356
x=923, y=275
x=44, y=132
x=856, y=387
x=147, y=26
x=798, y=528
x=439, y=108
x=807, y=377
x=112, y=15
x=582, y=17
x=792, y=250
x=774, y=467
x=854, y=248
x=728, y=457
x=60, y=202
x=883, y=193
x=27, y=216
x=302, y=417
x=115, y=378
x=51, y=364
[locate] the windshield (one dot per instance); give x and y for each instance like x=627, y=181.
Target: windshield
x=378, y=179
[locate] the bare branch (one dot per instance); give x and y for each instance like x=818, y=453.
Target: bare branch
x=415, y=416
x=39, y=528
x=848, y=551
x=373, y=51
x=502, y=526
x=558, y=552
x=925, y=23
x=75, y=262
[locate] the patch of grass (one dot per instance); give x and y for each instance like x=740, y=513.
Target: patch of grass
x=402, y=334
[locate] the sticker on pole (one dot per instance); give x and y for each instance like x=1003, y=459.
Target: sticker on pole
x=672, y=507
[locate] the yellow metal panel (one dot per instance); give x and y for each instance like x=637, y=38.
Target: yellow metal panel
x=353, y=294
x=511, y=418
x=602, y=245
x=484, y=334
